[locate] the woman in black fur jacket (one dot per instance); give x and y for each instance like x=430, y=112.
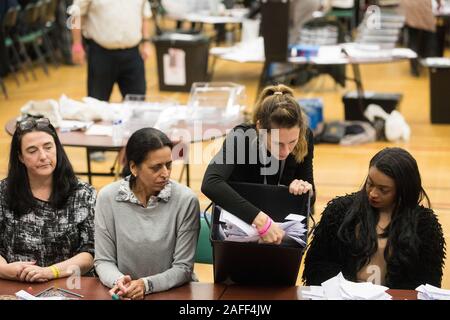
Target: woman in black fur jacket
x=381, y=233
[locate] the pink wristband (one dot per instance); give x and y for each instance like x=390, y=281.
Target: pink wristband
x=266, y=227
x=77, y=47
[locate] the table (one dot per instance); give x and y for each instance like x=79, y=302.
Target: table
x=233, y=16
x=386, y=56
x=193, y=132
x=230, y=16
x=235, y=292
x=240, y=52
x=93, y=289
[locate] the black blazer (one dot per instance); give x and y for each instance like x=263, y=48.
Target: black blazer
x=246, y=166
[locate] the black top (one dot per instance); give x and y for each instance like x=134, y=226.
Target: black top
x=328, y=256
x=248, y=165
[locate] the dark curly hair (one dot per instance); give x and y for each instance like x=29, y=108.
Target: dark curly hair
x=358, y=230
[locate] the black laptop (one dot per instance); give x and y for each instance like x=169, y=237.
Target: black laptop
x=254, y=263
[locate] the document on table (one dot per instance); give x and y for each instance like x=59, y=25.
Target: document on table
x=338, y=288
x=99, y=130
x=429, y=292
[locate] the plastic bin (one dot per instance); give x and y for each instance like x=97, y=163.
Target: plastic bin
x=387, y=101
x=182, y=59
x=255, y=263
x=439, y=94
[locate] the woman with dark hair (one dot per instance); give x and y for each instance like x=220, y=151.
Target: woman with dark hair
x=277, y=148
x=146, y=225
x=46, y=213
x=382, y=233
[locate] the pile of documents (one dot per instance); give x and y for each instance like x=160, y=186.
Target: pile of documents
x=337, y=288
x=234, y=229
x=429, y=292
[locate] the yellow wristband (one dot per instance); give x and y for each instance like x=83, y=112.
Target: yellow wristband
x=55, y=271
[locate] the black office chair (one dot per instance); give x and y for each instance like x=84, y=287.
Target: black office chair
x=8, y=23
x=31, y=36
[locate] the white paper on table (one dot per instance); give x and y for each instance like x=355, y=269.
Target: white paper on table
x=314, y=293
x=429, y=292
x=338, y=288
x=404, y=53
x=362, y=290
x=99, y=130
x=73, y=125
x=247, y=52
x=331, y=287
x=329, y=53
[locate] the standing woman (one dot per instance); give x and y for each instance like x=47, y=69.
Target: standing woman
x=146, y=225
x=277, y=148
x=46, y=213
x=381, y=233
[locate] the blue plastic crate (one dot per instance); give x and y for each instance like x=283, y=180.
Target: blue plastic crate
x=314, y=110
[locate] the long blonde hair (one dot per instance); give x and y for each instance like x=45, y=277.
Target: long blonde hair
x=276, y=106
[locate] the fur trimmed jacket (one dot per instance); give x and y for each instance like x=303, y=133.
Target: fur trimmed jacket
x=328, y=255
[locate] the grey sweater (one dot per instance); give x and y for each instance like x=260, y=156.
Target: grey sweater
x=157, y=242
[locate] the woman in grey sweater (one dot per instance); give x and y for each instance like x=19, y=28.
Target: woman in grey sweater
x=146, y=225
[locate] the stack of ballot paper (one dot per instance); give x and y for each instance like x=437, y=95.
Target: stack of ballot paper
x=429, y=292
x=234, y=229
x=337, y=288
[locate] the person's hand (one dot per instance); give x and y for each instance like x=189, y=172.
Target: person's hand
x=298, y=187
x=33, y=273
x=78, y=53
x=121, y=287
x=272, y=235
x=145, y=50
x=12, y=271
x=136, y=290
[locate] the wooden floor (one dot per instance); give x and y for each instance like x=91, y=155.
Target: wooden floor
x=337, y=169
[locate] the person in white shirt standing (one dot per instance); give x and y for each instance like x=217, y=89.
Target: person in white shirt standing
x=118, y=42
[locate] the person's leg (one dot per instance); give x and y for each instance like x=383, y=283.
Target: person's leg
x=131, y=78
x=101, y=72
x=430, y=44
x=414, y=44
